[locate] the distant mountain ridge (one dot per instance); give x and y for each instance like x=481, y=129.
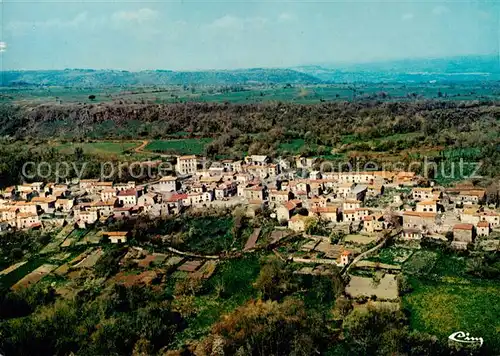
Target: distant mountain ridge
x=99, y=78
x=456, y=69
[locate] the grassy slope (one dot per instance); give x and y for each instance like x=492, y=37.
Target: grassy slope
x=182, y=146
x=454, y=301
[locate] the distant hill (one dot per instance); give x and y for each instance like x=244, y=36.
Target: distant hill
x=455, y=69
x=443, y=70
x=100, y=78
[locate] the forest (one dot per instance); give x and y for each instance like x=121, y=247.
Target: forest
x=354, y=132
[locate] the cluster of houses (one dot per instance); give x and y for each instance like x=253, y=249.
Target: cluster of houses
x=337, y=198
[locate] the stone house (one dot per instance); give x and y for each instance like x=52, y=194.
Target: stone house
x=351, y=204
x=327, y=213
x=27, y=220
x=474, y=196
x=279, y=196
x=187, y=165
x=426, y=206
x=254, y=193
x=26, y=207
x=419, y=193
x=423, y=221
x=344, y=189
x=285, y=211
x=492, y=217
x=483, y=228
x=298, y=223
x=167, y=184
x=64, y=204
x=463, y=234
x=116, y=237
x=148, y=199
x=107, y=194
x=45, y=204
x=128, y=197
x=411, y=234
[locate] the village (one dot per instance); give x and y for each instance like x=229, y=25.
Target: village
x=342, y=218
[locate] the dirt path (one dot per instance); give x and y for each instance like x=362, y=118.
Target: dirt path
x=141, y=147
x=370, y=251
x=189, y=254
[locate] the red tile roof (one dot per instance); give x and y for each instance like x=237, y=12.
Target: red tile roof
x=463, y=227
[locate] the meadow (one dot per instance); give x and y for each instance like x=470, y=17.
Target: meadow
x=255, y=93
x=188, y=146
x=445, y=299
x=102, y=148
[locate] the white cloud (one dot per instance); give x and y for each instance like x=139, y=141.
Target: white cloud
x=228, y=22
x=407, y=17
x=440, y=10
x=20, y=27
x=3, y=46
x=234, y=23
x=142, y=15
x=285, y=17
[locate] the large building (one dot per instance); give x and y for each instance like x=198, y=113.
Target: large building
x=186, y=164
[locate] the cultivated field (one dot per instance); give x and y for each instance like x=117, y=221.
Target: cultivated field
x=193, y=146
x=385, y=289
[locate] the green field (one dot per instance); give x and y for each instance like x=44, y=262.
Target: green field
x=253, y=93
x=195, y=146
x=230, y=287
x=445, y=299
x=103, y=148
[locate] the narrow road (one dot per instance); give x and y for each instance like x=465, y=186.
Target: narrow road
x=370, y=251
x=141, y=147
x=189, y=254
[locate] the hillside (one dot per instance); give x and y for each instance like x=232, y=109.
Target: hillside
x=443, y=70
x=108, y=78
x=454, y=69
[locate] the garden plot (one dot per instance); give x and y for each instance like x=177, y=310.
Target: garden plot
x=60, y=237
x=360, y=239
x=75, y=236
x=90, y=260
x=148, y=260
x=375, y=304
x=128, y=280
x=377, y=265
x=392, y=255
x=34, y=277
x=308, y=246
x=330, y=251
x=207, y=270
x=386, y=288
x=91, y=238
x=62, y=269
x=173, y=261
x=12, y=268
x=252, y=240
x=489, y=245
x=277, y=235
x=190, y=266
x=421, y=262
x=61, y=256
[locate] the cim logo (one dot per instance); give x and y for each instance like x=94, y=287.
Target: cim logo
x=465, y=338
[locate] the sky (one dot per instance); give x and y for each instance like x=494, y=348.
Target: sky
x=190, y=35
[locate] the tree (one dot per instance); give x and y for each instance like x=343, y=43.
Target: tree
x=92, y=97
x=404, y=285
x=78, y=154
x=343, y=307
x=267, y=328
x=375, y=330
x=274, y=279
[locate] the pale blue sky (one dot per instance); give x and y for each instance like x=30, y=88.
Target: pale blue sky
x=234, y=34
